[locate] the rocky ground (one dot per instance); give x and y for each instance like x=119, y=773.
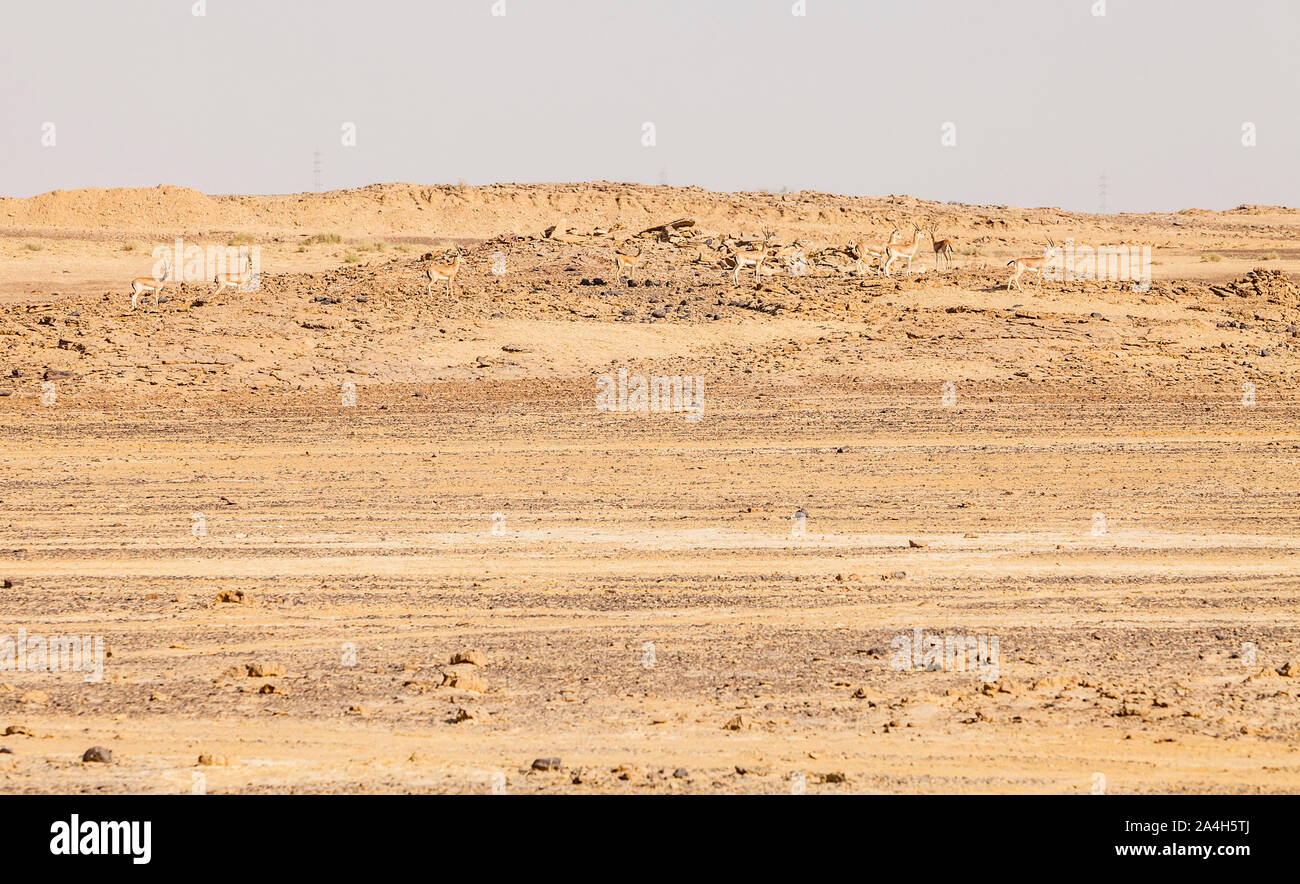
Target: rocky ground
x=288, y=511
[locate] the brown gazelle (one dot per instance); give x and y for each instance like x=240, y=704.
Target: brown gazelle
x=752, y=256
x=150, y=285
x=626, y=263
x=1030, y=265
x=903, y=251
x=233, y=280
x=442, y=273
x=942, y=250
x=875, y=249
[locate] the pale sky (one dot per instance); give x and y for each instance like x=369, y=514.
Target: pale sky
x=852, y=97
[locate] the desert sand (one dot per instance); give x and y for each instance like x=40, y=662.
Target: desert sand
x=1106, y=480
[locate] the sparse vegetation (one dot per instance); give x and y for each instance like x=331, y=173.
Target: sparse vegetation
x=241, y=239
x=1212, y=258
x=371, y=245
x=34, y=247
x=351, y=258
x=1271, y=256
x=322, y=239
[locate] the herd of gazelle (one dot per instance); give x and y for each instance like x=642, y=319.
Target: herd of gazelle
x=150, y=285
x=883, y=252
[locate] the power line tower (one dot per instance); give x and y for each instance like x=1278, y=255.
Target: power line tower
x=317, y=167
x=1102, y=193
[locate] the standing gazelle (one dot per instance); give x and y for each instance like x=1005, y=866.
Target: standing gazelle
x=626, y=263
x=752, y=256
x=1030, y=265
x=150, y=285
x=904, y=251
x=942, y=249
x=442, y=273
x=875, y=249
x=234, y=280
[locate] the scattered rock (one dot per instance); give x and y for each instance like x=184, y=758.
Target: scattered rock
x=98, y=755
x=546, y=764
x=214, y=760
x=917, y=544
x=464, y=679
x=737, y=723
x=233, y=597
x=36, y=698
x=1289, y=669
x=264, y=670
x=473, y=656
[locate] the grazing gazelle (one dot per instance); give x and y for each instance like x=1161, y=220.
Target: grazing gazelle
x=233, y=280
x=905, y=251
x=942, y=249
x=1030, y=265
x=146, y=285
x=442, y=272
x=875, y=249
x=752, y=256
x=626, y=263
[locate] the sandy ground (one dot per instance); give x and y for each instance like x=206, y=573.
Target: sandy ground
x=1108, y=487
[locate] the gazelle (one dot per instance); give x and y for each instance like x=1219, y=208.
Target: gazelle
x=875, y=249
x=442, y=272
x=233, y=280
x=752, y=256
x=905, y=251
x=1031, y=265
x=626, y=263
x=145, y=285
x=942, y=249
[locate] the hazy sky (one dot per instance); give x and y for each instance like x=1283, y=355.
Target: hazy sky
x=851, y=97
